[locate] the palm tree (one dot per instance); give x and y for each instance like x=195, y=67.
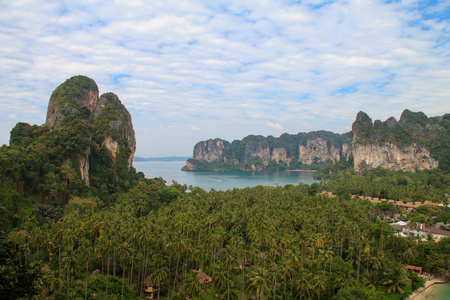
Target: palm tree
x=69, y=263
x=382, y=225
x=429, y=222
x=318, y=284
x=178, y=246
x=409, y=254
x=192, y=286
x=371, y=279
x=86, y=255
x=412, y=224
x=258, y=282
x=303, y=283
x=160, y=275
x=345, y=278
x=229, y=262
x=125, y=257
x=396, y=277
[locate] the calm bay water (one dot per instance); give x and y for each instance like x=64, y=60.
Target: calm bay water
x=171, y=170
x=440, y=291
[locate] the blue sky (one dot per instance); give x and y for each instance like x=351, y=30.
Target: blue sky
x=192, y=70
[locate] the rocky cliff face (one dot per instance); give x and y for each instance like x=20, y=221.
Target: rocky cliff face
x=408, y=144
x=279, y=155
x=210, y=150
x=77, y=100
x=120, y=128
x=390, y=156
x=317, y=151
x=68, y=99
x=256, y=153
x=394, y=145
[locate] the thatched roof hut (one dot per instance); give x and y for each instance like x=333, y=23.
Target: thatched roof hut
x=96, y=272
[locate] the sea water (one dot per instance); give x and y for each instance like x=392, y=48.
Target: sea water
x=171, y=170
x=440, y=292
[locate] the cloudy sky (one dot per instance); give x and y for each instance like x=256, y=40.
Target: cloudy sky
x=193, y=70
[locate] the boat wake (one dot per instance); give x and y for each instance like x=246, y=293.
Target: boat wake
x=216, y=179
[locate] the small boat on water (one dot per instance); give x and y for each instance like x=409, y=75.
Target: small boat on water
x=218, y=179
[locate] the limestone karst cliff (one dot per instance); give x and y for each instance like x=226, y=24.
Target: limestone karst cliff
x=108, y=121
x=393, y=157
x=257, y=153
x=408, y=144
x=415, y=142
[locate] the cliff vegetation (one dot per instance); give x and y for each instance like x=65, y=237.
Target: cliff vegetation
x=256, y=153
x=415, y=142
x=432, y=134
x=85, y=148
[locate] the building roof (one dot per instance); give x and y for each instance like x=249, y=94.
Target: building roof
x=400, y=223
x=414, y=268
x=435, y=230
x=203, y=278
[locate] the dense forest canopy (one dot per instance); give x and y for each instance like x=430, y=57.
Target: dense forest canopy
x=260, y=242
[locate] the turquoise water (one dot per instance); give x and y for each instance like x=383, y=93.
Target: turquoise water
x=171, y=170
x=440, y=291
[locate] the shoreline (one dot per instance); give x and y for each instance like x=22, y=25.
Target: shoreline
x=423, y=293
x=300, y=170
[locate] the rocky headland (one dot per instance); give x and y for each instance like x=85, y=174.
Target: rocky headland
x=107, y=119
x=415, y=142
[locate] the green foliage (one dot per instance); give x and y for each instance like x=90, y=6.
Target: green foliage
x=417, y=281
x=168, y=194
x=246, y=155
x=43, y=166
x=17, y=278
x=387, y=184
x=357, y=293
x=73, y=88
x=291, y=241
x=97, y=285
x=144, y=198
x=437, y=263
x=23, y=134
x=385, y=206
x=82, y=206
x=413, y=127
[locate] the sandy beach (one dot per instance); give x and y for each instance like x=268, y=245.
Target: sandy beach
x=427, y=291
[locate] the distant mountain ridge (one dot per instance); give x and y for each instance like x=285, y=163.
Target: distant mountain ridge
x=415, y=142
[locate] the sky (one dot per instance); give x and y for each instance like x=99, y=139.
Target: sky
x=194, y=70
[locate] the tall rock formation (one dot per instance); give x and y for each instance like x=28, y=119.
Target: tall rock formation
x=209, y=150
x=403, y=145
x=69, y=100
x=317, y=151
x=107, y=119
x=258, y=153
x=415, y=142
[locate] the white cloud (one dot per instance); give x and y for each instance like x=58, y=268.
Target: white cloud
x=226, y=65
x=276, y=126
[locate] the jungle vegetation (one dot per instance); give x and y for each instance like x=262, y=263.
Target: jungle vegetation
x=431, y=185
x=262, y=242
